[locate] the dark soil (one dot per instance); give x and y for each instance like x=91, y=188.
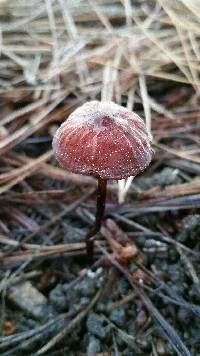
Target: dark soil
x=58, y=289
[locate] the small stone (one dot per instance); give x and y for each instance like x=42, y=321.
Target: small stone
x=141, y=241
x=169, y=176
x=118, y=316
x=95, y=325
x=86, y=287
x=29, y=299
x=57, y=298
x=84, y=301
x=190, y=229
x=93, y=346
x=121, y=287
x=166, y=177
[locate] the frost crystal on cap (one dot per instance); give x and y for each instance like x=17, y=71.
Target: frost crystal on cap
x=103, y=139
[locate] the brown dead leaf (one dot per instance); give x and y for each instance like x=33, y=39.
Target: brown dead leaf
x=8, y=328
x=122, y=247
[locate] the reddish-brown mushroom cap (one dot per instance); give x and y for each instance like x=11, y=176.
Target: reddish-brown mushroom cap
x=103, y=139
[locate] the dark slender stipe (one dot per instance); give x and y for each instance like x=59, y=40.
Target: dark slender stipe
x=101, y=199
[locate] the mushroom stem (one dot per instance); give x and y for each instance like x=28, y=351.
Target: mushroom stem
x=100, y=207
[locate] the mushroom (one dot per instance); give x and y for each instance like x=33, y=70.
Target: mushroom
x=104, y=140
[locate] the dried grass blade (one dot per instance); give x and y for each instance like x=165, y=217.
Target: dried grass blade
x=25, y=171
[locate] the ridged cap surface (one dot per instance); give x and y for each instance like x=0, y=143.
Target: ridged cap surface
x=103, y=139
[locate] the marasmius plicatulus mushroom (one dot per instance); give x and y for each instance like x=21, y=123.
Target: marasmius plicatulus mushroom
x=106, y=141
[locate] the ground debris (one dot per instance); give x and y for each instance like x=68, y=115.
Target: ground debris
x=190, y=228
x=28, y=299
